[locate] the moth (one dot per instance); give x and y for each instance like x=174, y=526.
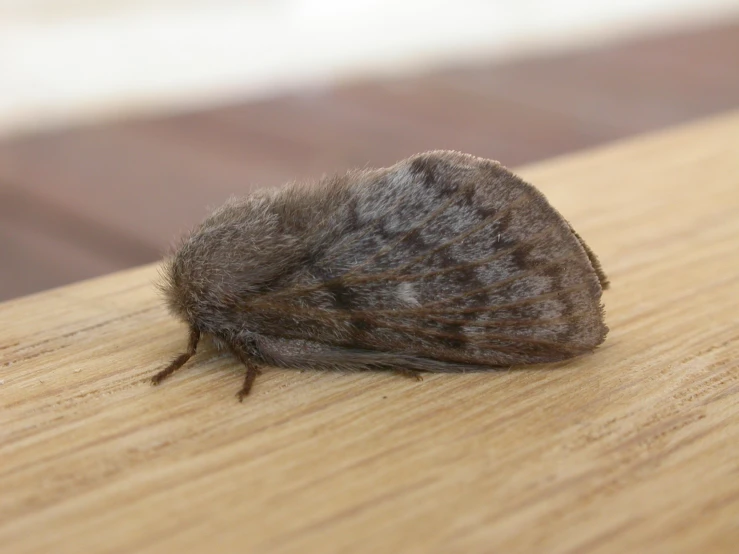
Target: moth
x=443, y=262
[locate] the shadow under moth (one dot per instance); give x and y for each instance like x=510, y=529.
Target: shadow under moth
x=444, y=262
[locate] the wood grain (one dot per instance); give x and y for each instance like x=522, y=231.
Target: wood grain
x=634, y=448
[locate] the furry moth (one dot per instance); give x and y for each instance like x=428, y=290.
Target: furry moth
x=444, y=262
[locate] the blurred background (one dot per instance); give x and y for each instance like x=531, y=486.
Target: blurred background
x=122, y=121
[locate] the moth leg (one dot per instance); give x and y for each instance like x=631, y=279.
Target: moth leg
x=180, y=360
x=251, y=374
x=252, y=371
x=411, y=373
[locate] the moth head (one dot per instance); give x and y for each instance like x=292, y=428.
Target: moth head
x=176, y=288
x=199, y=287
x=236, y=253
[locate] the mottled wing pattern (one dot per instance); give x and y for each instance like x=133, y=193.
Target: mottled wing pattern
x=448, y=257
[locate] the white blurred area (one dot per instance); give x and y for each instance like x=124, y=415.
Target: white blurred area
x=64, y=61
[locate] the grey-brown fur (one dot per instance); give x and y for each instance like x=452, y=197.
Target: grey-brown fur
x=442, y=262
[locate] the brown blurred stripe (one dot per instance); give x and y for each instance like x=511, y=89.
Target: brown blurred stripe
x=81, y=202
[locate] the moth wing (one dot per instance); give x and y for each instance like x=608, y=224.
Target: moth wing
x=448, y=258
x=301, y=353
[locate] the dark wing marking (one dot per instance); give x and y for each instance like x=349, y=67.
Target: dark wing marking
x=355, y=275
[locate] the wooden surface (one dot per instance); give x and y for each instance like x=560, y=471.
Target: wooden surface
x=632, y=449
x=77, y=203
